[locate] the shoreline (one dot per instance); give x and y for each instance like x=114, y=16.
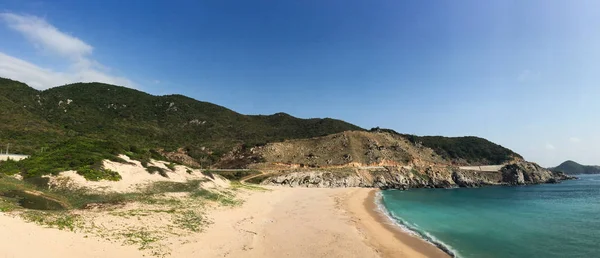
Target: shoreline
x=388, y=239
x=396, y=225
x=278, y=222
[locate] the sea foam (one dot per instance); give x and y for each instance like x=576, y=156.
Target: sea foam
x=411, y=228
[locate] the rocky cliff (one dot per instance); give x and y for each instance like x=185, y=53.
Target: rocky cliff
x=387, y=160
x=404, y=177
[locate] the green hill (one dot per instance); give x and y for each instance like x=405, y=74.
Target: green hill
x=32, y=119
x=80, y=124
x=574, y=168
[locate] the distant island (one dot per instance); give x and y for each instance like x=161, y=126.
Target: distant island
x=574, y=168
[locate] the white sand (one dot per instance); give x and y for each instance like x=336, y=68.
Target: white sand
x=19, y=239
x=286, y=222
x=283, y=222
x=134, y=176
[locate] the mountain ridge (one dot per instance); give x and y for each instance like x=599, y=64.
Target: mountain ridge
x=117, y=113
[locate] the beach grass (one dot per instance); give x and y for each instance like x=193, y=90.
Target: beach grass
x=179, y=206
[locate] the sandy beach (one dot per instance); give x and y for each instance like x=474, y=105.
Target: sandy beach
x=282, y=222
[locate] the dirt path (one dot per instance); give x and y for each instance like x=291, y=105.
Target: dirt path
x=243, y=180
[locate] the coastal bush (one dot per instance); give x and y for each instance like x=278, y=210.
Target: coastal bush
x=155, y=169
x=79, y=154
x=171, y=166
x=9, y=167
x=92, y=174
x=75, y=154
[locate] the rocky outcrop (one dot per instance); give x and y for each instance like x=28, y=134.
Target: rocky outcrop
x=418, y=177
x=527, y=173
x=384, y=160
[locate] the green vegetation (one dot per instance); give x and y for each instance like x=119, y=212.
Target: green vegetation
x=473, y=150
x=154, y=169
x=31, y=120
x=60, y=220
x=237, y=185
x=74, y=127
x=142, y=238
x=98, y=174
x=79, y=154
x=190, y=220
x=79, y=198
x=462, y=150
x=69, y=155
x=172, y=187
x=179, y=216
x=225, y=198
x=171, y=166
x=9, y=167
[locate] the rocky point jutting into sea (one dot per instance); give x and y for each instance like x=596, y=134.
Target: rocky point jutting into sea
x=382, y=159
x=522, y=173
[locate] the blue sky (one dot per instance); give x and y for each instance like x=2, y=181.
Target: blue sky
x=523, y=74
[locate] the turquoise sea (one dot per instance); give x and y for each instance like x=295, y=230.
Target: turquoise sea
x=550, y=220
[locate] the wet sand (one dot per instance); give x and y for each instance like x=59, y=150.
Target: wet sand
x=388, y=239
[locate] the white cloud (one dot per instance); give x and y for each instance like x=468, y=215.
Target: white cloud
x=528, y=76
x=156, y=81
x=74, y=51
x=550, y=146
x=574, y=140
x=42, y=78
x=46, y=36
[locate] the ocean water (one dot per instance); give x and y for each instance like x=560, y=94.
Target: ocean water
x=550, y=220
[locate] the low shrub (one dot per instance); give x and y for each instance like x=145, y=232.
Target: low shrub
x=92, y=174
x=154, y=169
x=9, y=167
x=171, y=166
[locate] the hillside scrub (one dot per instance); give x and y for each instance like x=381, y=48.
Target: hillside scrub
x=79, y=154
x=31, y=119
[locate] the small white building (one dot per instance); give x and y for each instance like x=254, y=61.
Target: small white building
x=16, y=157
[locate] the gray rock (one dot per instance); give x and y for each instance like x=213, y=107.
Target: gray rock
x=521, y=173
